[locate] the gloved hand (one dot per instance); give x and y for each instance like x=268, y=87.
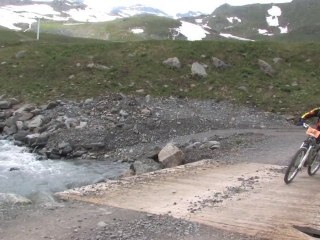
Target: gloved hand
x=300, y=122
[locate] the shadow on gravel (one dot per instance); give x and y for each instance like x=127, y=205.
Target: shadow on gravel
x=309, y=231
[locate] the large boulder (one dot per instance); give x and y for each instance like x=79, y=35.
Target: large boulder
x=21, y=54
x=266, y=67
x=35, y=122
x=172, y=62
x=23, y=116
x=198, y=69
x=171, y=156
x=21, y=136
x=37, y=140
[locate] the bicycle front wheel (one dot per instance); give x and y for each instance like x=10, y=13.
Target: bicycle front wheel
x=314, y=166
x=293, y=169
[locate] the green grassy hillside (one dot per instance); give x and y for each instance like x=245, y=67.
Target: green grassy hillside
x=156, y=28
x=58, y=68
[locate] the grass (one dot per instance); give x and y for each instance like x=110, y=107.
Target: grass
x=154, y=27
x=56, y=67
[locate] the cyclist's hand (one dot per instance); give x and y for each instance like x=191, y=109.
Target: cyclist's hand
x=300, y=122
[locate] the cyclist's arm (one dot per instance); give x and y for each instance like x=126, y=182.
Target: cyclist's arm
x=313, y=113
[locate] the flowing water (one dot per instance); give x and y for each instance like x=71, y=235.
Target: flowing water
x=22, y=173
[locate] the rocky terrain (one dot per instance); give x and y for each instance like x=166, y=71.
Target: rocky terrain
x=130, y=128
x=134, y=129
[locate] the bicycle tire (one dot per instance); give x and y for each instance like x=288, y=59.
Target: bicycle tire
x=295, y=161
x=314, y=166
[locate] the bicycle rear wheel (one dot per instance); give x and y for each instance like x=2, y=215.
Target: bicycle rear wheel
x=293, y=169
x=314, y=166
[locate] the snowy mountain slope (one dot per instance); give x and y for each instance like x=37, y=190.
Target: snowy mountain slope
x=249, y=22
x=265, y=20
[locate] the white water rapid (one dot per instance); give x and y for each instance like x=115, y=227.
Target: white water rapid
x=22, y=173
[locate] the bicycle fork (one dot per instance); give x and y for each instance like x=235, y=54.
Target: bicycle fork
x=305, y=157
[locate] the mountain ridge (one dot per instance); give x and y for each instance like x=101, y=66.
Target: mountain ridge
x=248, y=22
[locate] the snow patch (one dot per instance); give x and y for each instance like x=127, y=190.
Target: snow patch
x=41, y=9
x=11, y=15
x=273, y=20
x=206, y=26
x=227, y=35
x=137, y=30
x=199, y=20
x=265, y=32
x=192, y=31
x=90, y=15
x=283, y=29
x=234, y=19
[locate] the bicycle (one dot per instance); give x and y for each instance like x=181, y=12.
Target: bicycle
x=306, y=156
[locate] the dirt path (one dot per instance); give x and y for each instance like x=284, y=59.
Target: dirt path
x=204, y=200
x=246, y=198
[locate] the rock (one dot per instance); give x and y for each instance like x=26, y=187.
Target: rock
x=194, y=145
x=78, y=153
x=88, y=101
x=13, y=199
x=37, y=140
x=20, y=125
x=244, y=89
x=2, y=115
x=214, y=144
x=14, y=101
x=198, y=69
x=25, y=108
x=266, y=68
x=21, y=54
x=23, y=116
x=36, y=122
x=9, y=130
x=172, y=62
x=2, y=125
x=147, y=98
x=219, y=63
x=123, y=113
x=140, y=91
x=5, y=104
x=90, y=65
x=101, y=224
x=21, y=136
x=171, y=156
x=146, y=165
x=64, y=148
x=101, y=67
x=146, y=112
x=277, y=60
x=14, y=169
x=71, y=122
x=94, y=146
x=82, y=125
x=51, y=105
